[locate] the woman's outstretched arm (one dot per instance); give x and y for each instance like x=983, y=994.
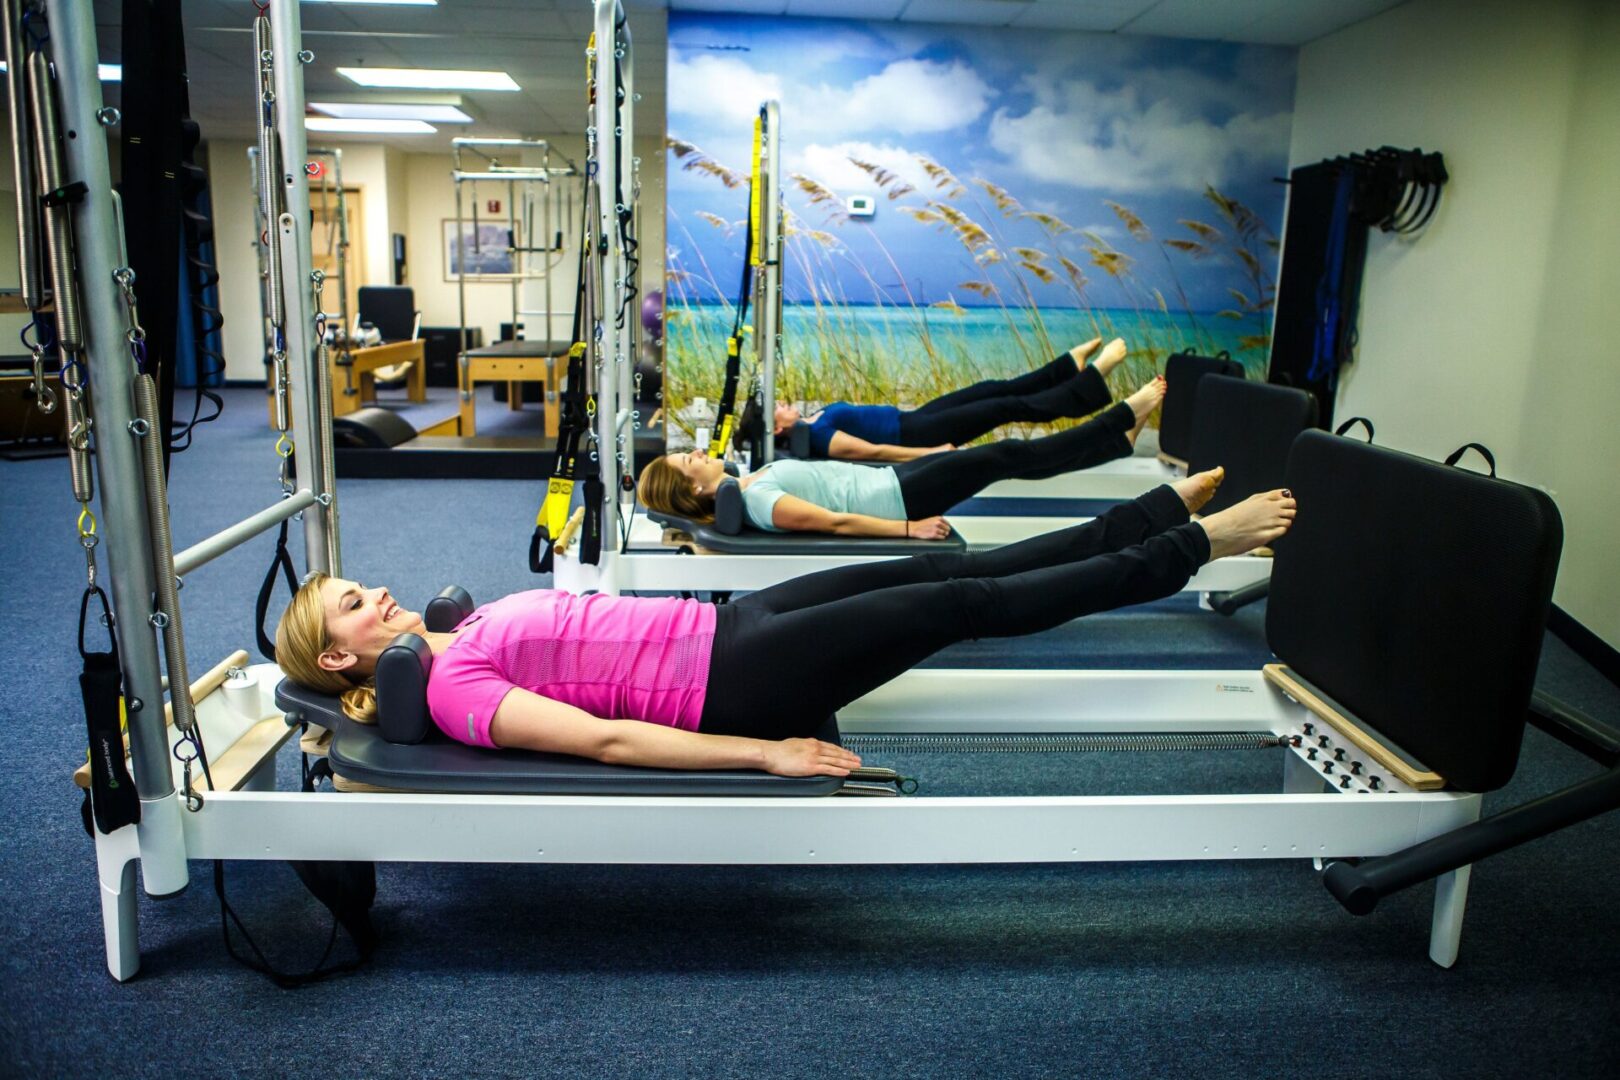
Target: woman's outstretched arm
x=527, y=721
x=846, y=447
x=796, y=515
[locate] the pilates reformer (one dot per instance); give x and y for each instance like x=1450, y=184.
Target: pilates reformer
x=1428, y=732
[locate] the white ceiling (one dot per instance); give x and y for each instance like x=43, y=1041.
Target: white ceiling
x=540, y=43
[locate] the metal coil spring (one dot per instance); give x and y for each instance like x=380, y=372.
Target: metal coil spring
x=58, y=229
x=168, y=591
x=1064, y=743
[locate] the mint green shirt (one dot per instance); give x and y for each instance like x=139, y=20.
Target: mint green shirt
x=839, y=486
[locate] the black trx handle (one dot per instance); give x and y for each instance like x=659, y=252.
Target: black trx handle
x=283, y=562
x=114, y=802
x=1354, y=420
x=1457, y=454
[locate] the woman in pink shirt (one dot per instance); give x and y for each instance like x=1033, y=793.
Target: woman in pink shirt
x=680, y=684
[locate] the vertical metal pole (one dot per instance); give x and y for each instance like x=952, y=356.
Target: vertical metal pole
x=608, y=141
x=769, y=338
x=21, y=168
x=629, y=329
x=287, y=32
x=545, y=263
x=517, y=265
x=127, y=548
x=458, y=251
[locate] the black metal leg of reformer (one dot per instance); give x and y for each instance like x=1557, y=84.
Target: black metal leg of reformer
x=1230, y=603
x=1359, y=888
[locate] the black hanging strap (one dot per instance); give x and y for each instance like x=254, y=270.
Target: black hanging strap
x=114, y=802
x=283, y=562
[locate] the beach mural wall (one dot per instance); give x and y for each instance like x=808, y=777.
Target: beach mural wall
x=1032, y=190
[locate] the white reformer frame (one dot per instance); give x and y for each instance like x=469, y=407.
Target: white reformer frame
x=252, y=821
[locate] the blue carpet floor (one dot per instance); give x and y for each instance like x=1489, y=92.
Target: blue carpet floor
x=1196, y=969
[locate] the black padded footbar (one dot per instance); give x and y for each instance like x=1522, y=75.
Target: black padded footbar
x=1182, y=374
x=1247, y=428
x=1416, y=594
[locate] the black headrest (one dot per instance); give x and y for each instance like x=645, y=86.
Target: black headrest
x=1416, y=594
x=798, y=440
x=1182, y=373
x=728, y=507
x=1248, y=428
x=402, y=676
x=445, y=611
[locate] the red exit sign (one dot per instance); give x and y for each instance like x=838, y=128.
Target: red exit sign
x=492, y=206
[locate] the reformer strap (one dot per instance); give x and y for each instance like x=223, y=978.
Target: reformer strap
x=113, y=800
x=725, y=419
x=573, y=422
x=281, y=561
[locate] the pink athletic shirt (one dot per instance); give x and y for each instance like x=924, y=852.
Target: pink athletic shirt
x=616, y=657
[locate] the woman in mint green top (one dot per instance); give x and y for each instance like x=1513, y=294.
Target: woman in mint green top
x=891, y=500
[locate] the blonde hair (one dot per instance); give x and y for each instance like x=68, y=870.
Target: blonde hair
x=665, y=489
x=301, y=638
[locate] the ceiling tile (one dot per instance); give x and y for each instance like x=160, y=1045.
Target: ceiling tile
x=1098, y=15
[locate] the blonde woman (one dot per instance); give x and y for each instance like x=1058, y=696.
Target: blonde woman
x=672, y=683
x=904, y=500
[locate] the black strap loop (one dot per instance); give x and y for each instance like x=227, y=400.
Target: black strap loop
x=84, y=614
x=283, y=562
x=1354, y=420
x=1457, y=454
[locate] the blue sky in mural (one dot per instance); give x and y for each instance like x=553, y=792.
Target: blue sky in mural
x=1063, y=122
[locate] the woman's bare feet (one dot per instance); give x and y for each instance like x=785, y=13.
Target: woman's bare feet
x=1143, y=402
x=1082, y=351
x=1199, y=488
x=1252, y=523
x=1112, y=356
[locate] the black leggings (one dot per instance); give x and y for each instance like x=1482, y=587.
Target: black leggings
x=1054, y=392
x=787, y=657
x=934, y=483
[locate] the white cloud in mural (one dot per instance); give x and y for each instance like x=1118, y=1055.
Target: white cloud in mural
x=719, y=88
x=830, y=165
x=1080, y=135
x=909, y=96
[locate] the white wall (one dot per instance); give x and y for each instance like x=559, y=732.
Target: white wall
x=1499, y=323
x=231, y=189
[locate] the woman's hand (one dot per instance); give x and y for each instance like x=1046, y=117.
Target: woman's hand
x=808, y=757
x=932, y=528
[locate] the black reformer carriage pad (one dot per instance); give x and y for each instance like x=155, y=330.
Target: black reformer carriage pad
x=1416, y=594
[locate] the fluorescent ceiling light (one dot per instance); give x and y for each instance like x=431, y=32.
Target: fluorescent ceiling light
x=397, y=3
x=368, y=127
x=106, y=72
x=428, y=79
x=344, y=110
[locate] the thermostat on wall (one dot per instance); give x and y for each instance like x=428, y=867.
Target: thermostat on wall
x=861, y=205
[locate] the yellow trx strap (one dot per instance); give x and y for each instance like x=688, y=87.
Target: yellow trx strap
x=755, y=187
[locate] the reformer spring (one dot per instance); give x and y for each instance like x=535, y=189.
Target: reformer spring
x=1060, y=743
x=58, y=225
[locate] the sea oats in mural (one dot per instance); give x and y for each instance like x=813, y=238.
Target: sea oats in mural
x=1139, y=204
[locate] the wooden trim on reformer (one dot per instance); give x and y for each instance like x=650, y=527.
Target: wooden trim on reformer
x=1415, y=777
x=1173, y=462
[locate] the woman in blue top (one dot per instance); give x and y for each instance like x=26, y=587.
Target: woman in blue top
x=904, y=500
x=1066, y=388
